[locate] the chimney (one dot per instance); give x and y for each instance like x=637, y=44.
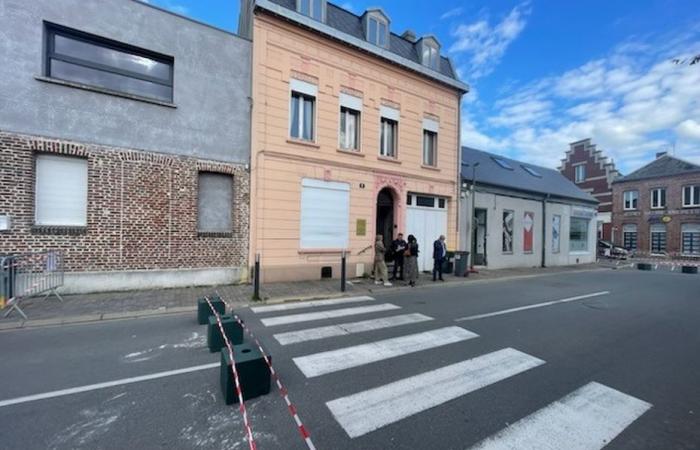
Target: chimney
x=660, y=154
x=410, y=35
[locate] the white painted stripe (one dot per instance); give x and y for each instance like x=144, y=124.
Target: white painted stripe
x=587, y=419
x=370, y=410
x=537, y=305
x=312, y=303
x=307, y=317
x=107, y=384
x=358, y=355
x=343, y=329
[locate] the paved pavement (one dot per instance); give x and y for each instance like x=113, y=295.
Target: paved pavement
x=578, y=360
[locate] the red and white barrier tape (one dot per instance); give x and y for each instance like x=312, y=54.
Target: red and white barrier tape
x=239, y=392
x=283, y=391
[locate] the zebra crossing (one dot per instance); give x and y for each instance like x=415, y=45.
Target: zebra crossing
x=587, y=418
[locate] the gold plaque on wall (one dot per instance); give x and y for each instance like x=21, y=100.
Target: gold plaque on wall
x=361, y=227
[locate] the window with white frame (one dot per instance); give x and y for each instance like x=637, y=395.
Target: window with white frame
x=389, y=127
x=302, y=110
x=214, y=202
x=377, y=31
x=630, y=199
x=658, y=237
x=578, y=234
x=430, y=142
x=629, y=236
x=350, y=123
x=658, y=198
x=312, y=8
x=691, y=196
x=690, y=239
x=61, y=191
x=431, y=56
x=580, y=173
x=325, y=214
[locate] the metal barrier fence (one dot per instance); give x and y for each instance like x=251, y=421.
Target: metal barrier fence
x=28, y=275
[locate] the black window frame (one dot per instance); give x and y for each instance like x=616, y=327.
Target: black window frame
x=51, y=30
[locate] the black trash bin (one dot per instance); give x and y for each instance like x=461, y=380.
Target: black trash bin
x=461, y=264
x=448, y=263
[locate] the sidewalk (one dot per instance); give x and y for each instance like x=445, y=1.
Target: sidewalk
x=133, y=304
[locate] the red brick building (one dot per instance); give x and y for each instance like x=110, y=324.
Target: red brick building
x=592, y=172
x=656, y=209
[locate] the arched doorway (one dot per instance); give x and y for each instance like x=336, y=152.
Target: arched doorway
x=385, y=216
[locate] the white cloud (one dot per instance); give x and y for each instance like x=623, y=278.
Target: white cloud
x=454, y=12
x=689, y=129
x=485, y=44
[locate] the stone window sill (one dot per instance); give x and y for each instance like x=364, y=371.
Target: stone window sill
x=303, y=143
x=351, y=152
x=214, y=234
x=307, y=251
x=433, y=168
x=388, y=159
x=59, y=230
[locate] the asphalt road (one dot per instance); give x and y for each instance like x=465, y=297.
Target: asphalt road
x=621, y=368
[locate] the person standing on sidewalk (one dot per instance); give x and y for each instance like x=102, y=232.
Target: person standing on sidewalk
x=439, y=255
x=380, y=271
x=398, y=248
x=412, y=260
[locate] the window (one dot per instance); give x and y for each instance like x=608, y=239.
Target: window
x=349, y=129
x=214, y=200
x=658, y=238
x=377, y=31
x=302, y=116
x=690, y=239
x=531, y=171
x=502, y=162
x=508, y=225
x=691, y=196
x=580, y=173
x=312, y=8
x=61, y=191
x=388, y=138
x=658, y=198
x=629, y=236
x=441, y=203
x=431, y=56
x=429, y=148
x=427, y=202
x=631, y=198
x=578, y=234
x=87, y=59
x=325, y=214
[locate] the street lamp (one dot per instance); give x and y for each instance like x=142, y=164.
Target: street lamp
x=473, y=208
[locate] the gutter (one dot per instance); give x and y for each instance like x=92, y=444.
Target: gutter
x=544, y=230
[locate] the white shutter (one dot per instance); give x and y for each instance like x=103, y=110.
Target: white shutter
x=325, y=214
x=61, y=190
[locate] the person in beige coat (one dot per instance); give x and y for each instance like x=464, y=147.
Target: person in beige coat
x=380, y=270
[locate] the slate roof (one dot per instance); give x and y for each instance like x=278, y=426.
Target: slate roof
x=489, y=172
x=664, y=166
x=351, y=24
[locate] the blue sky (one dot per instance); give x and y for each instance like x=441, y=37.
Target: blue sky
x=548, y=72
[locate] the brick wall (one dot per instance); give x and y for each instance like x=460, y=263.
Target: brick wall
x=141, y=209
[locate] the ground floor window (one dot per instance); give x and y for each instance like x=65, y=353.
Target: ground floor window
x=690, y=239
x=629, y=237
x=578, y=234
x=658, y=238
x=214, y=203
x=508, y=218
x=325, y=214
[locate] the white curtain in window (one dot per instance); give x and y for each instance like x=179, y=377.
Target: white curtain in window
x=325, y=214
x=61, y=190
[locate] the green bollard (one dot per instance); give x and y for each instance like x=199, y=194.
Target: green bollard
x=204, y=311
x=253, y=373
x=233, y=330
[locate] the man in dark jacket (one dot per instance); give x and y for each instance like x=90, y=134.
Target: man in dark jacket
x=439, y=255
x=398, y=248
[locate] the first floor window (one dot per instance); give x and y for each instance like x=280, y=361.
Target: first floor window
x=631, y=198
x=61, y=190
x=578, y=234
x=429, y=148
x=629, y=236
x=658, y=238
x=302, y=116
x=690, y=239
x=508, y=225
x=349, y=129
x=388, y=138
x=691, y=196
x=325, y=214
x=214, y=203
x=658, y=198
x=580, y=172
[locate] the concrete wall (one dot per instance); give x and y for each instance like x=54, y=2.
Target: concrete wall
x=211, y=113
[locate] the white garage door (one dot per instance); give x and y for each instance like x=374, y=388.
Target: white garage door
x=426, y=223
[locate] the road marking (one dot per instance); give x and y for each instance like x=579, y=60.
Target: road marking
x=587, y=419
x=309, y=304
x=343, y=329
x=537, y=305
x=345, y=358
x=105, y=385
x=370, y=410
x=307, y=317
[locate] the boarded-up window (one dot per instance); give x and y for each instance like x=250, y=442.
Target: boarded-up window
x=325, y=214
x=214, y=201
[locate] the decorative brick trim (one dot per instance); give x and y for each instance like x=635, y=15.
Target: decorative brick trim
x=209, y=166
x=390, y=103
x=431, y=117
x=304, y=77
x=59, y=230
x=60, y=147
x=153, y=158
x=351, y=91
x=215, y=234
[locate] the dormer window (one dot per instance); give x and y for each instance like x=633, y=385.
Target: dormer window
x=376, y=25
x=430, y=52
x=316, y=9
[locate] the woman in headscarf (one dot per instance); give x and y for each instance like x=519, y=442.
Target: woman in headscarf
x=380, y=271
x=411, y=261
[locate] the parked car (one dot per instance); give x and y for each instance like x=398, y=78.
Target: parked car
x=610, y=250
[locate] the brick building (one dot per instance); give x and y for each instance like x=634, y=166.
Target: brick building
x=656, y=209
x=592, y=172
x=124, y=142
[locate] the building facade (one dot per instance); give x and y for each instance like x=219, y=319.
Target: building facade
x=586, y=166
x=124, y=143
x=515, y=214
x=656, y=209
x=355, y=132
